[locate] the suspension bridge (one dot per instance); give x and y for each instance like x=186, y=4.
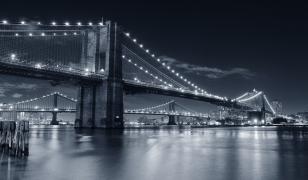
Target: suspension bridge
x=56, y=102
x=106, y=62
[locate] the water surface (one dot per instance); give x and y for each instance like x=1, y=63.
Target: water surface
x=253, y=153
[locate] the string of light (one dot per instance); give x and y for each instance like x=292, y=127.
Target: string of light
x=163, y=64
x=272, y=109
x=251, y=97
x=161, y=73
x=240, y=97
x=153, y=107
x=53, y=23
x=146, y=71
x=43, y=34
x=141, y=46
x=42, y=97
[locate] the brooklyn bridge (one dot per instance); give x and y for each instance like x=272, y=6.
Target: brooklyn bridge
x=106, y=62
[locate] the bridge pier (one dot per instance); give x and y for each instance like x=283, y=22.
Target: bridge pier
x=54, y=120
x=101, y=105
x=172, y=118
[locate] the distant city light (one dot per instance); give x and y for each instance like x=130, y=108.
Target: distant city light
x=13, y=56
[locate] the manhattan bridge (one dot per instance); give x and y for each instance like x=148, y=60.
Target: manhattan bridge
x=106, y=62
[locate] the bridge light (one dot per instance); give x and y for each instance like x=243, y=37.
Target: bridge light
x=22, y=22
x=153, y=55
x=90, y=23
x=177, y=74
x=129, y=60
x=147, y=51
x=163, y=64
x=168, y=67
x=101, y=24
x=30, y=34
x=158, y=59
x=79, y=23
x=38, y=23
x=141, y=45
x=135, y=40
x=172, y=71
x=56, y=109
x=127, y=34
x=66, y=23
x=39, y=66
x=4, y=22
x=53, y=23
x=13, y=56
x=123, y=56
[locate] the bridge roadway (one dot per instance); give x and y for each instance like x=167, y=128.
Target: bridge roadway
x=130, y=86
x=167, y=113
x=48, y=72
x=45, y=110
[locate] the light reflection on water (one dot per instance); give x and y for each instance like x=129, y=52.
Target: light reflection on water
x=213, y=153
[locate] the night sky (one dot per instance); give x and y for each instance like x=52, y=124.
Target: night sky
x=228, y=47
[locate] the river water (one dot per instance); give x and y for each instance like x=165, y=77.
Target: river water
x=247, y=153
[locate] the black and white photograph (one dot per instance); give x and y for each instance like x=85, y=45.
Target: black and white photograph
x=153, y=90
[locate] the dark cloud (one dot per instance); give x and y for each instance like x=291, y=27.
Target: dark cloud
x=9, y=87
x=209, y=72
